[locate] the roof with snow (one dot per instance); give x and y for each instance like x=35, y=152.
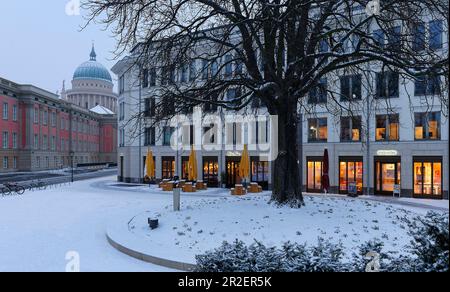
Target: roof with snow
x=101, y=110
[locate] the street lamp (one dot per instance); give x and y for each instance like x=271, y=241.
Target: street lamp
x=72, y=154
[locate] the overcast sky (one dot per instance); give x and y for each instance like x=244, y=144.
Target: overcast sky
x=41, y=45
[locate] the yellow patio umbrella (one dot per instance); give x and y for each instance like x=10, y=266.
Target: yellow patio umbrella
x=150, y=165
x=244, y=167
x=192, y=165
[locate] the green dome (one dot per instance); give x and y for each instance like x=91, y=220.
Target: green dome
x=92, y=70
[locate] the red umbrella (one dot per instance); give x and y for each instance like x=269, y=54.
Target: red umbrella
x=326, y=171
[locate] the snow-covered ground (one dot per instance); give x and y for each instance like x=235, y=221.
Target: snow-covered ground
x=205, y=223
x=38, y=229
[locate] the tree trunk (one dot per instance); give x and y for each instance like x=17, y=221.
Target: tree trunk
x=287, y=187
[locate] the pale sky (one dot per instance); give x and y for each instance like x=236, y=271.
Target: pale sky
x=41, y=45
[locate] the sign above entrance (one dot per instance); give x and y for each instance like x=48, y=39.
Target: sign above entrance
x=233, y=154
x=387, y=153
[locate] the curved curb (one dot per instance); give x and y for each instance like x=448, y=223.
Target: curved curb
x=151, y=259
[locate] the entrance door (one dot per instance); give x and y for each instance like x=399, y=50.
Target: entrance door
x=314, y=174
x=233, y=172
x=350, y=172
x=211, y=171
x=388, y=174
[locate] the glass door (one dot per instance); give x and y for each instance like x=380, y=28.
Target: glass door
x=350, y=172
x=233, y=177
x=211, y=171
x=314, y=175
x=388, y=174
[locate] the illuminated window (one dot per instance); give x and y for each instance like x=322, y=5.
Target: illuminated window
x=318, y=130
x=351, y=129
x=427, y=126
x=314, y=174
x=387, y=128
x=428, y=176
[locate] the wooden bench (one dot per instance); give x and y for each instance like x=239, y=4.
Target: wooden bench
x=189, y=188
x=254, y=188
x=238, y=190
x=201, y=186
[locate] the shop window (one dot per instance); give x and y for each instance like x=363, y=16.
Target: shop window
x=168, y=167
x=350, y=172
x=314, y=175
x=428, y=177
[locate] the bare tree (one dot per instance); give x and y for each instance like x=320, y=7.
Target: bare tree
x=279, y=51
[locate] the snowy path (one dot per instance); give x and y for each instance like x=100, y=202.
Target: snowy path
x=39, y=228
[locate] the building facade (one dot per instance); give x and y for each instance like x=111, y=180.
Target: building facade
x=40, y=131
x=396, y=138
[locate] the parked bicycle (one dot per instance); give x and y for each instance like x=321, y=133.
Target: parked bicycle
x=37, y=185
x=10, y=188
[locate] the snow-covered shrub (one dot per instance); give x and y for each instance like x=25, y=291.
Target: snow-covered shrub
x=430, y=244
x=292, y=257
x=428, y=252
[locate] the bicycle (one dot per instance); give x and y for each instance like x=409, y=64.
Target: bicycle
x=39, y=185
x=9, y=188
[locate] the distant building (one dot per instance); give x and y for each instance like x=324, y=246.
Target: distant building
x=41, y=131
x=91, y=86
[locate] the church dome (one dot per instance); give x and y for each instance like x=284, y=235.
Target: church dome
x=92, y=70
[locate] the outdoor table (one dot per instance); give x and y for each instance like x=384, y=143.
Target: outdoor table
x=239, y=190
x=189, y=188
x=168, y=187
x=254, y=188
x=202, y=186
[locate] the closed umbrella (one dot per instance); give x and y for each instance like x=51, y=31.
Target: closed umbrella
x=244, y=167
x=150, y=165
x=192, y=165
x=326, y=171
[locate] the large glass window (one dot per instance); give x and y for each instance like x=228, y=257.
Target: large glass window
x=428, y=176
x=318, y=130
x=427, y=126
x=379, y=38
x=211, y=171
x=351, y=87
x=436, y=32
x=314, y=174
x=388, y=128
x=419, y=37
x=387, y=85
x=319, y=93
x=351, y=129
x=260, y=172
x=387, y=175
x=350, y=172
x=167, y=135
x=150, y=136
x=427, y=85
x=168, y=167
